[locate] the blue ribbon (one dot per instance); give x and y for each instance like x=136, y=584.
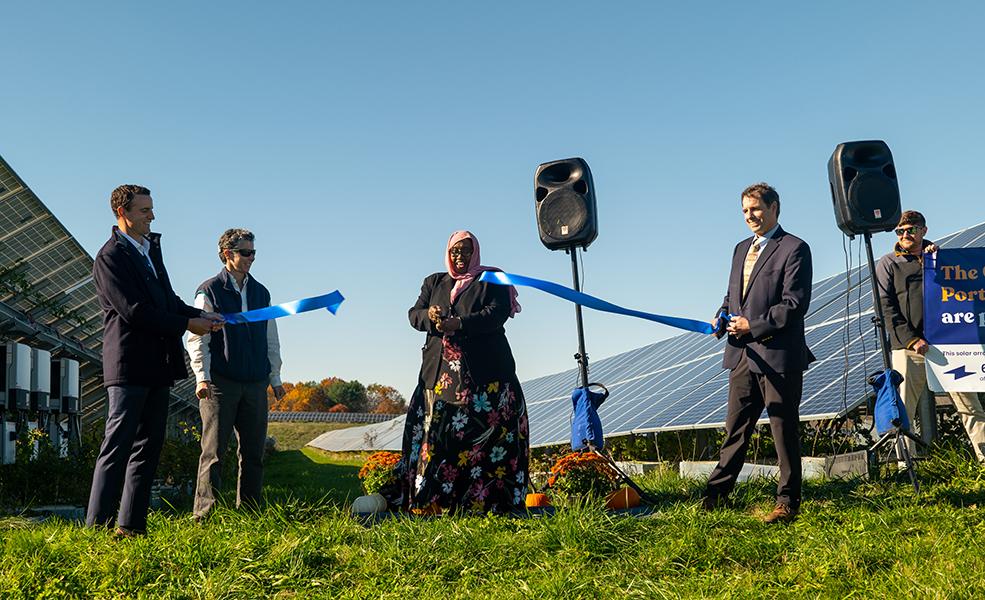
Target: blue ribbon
x=329, y=302
x=500, y=278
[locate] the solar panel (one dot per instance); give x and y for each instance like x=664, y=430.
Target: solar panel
x=41, y=259
x=679, y=383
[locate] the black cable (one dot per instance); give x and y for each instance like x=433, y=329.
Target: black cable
x=846, y=335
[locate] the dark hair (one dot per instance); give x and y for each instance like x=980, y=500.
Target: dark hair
x=764, y=192
x=231, y=238
x=912, y=217
x=123, y=196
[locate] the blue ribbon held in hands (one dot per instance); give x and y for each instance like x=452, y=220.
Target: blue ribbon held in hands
x=501, y=278
x=330, y=302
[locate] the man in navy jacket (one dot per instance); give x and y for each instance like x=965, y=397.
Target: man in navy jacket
x=143, y=321
x=769, y=292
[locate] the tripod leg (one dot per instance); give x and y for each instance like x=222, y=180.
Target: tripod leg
x=625, y=478
x=904, y=453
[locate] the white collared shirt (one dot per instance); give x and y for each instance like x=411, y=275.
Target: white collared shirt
x=198, y=345
x=143, y=246
x=762, y=240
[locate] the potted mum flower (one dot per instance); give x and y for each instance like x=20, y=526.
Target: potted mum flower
x=580, y=475
x=376, y=474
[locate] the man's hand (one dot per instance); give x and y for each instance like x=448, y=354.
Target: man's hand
x=434, y=313
x=921, y=347
x=738, y=326
x=449, y=325
x=217, y=320
x=279, y=392
x=203, y=390
x=931, y=248
x=200, y=325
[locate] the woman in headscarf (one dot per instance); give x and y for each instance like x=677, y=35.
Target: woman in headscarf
x=465, y=443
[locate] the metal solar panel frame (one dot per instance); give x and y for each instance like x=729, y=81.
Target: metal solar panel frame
x=36, y=249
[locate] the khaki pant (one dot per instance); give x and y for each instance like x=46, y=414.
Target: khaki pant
x=914, y=390
x=239, y=406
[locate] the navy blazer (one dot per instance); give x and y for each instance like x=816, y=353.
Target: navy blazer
x=143, y=319
x=483, y=309
x=775, y=304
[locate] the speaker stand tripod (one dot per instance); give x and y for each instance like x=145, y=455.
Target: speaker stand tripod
x=581, y=357
x=898, y=435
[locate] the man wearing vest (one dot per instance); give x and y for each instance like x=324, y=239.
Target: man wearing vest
x=143, y=321
x=899, y=276
x=233, y=368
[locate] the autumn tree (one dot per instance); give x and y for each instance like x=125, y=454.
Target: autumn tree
x=384, y=399
x=332, y=392
x=351, y=393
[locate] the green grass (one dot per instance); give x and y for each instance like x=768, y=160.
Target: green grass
x=294, y=436
x=854, y=539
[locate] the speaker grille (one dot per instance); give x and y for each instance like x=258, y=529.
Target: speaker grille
x=563, y=215
x=873, y=198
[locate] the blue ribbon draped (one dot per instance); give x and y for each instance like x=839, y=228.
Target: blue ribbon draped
x=329, y=302
x=501, y=278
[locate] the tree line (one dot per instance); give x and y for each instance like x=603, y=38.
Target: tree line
x=338, y=395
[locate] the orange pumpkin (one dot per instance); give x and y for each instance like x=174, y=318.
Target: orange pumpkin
x=622, y=498
x=537, y=500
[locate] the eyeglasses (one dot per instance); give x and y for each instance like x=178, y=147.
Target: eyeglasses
x=912, y=230
x=243, y=251
x=460, y=252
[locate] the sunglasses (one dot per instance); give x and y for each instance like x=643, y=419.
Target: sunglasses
x=900, y=232
x=243, y=252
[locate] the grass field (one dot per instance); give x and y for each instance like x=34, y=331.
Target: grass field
x=854, y=539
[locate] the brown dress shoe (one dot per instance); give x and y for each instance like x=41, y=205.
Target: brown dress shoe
x=781, y=514
x=122, y=533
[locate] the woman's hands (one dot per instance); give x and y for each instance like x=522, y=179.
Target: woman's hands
x=435, y=313
x=449, y=325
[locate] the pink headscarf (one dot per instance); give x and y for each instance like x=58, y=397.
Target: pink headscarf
x=473, y=270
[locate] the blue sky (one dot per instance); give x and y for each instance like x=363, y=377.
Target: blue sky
x=352, y=138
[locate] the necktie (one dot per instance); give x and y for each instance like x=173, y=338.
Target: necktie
x=749, y=264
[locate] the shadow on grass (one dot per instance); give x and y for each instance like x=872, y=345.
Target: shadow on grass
x=307, y=475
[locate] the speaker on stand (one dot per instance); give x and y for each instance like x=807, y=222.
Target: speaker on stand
x=866, y=199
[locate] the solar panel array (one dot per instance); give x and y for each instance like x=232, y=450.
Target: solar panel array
x=40, y=259
x=679, y=383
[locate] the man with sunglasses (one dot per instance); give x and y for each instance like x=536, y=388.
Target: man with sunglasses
x=233, y=368
x=899, y=276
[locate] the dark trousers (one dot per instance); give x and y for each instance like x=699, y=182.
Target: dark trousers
x=135, y=423
x=234, y=406
x=747, y=395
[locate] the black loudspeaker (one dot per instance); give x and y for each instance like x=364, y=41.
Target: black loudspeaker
x=565, y=201
x=864, y=189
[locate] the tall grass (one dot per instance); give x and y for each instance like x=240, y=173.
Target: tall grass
x=854, y=539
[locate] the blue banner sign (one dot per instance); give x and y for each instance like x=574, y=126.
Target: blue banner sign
x=954, y=319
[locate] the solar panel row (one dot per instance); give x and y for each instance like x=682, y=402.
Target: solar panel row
x=679, y=383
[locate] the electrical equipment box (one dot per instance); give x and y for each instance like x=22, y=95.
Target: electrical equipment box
x=40, y=379
x=65, y=386
x=16, y=383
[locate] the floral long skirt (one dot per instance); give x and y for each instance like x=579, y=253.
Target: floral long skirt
x=465, y=444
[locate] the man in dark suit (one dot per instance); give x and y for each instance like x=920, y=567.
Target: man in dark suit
x=143, y=321
x=769, y=292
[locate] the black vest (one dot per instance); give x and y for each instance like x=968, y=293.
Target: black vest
x=239, y=352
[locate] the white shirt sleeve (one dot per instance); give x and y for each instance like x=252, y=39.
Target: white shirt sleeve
x=198, y=346
x=273, y=352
